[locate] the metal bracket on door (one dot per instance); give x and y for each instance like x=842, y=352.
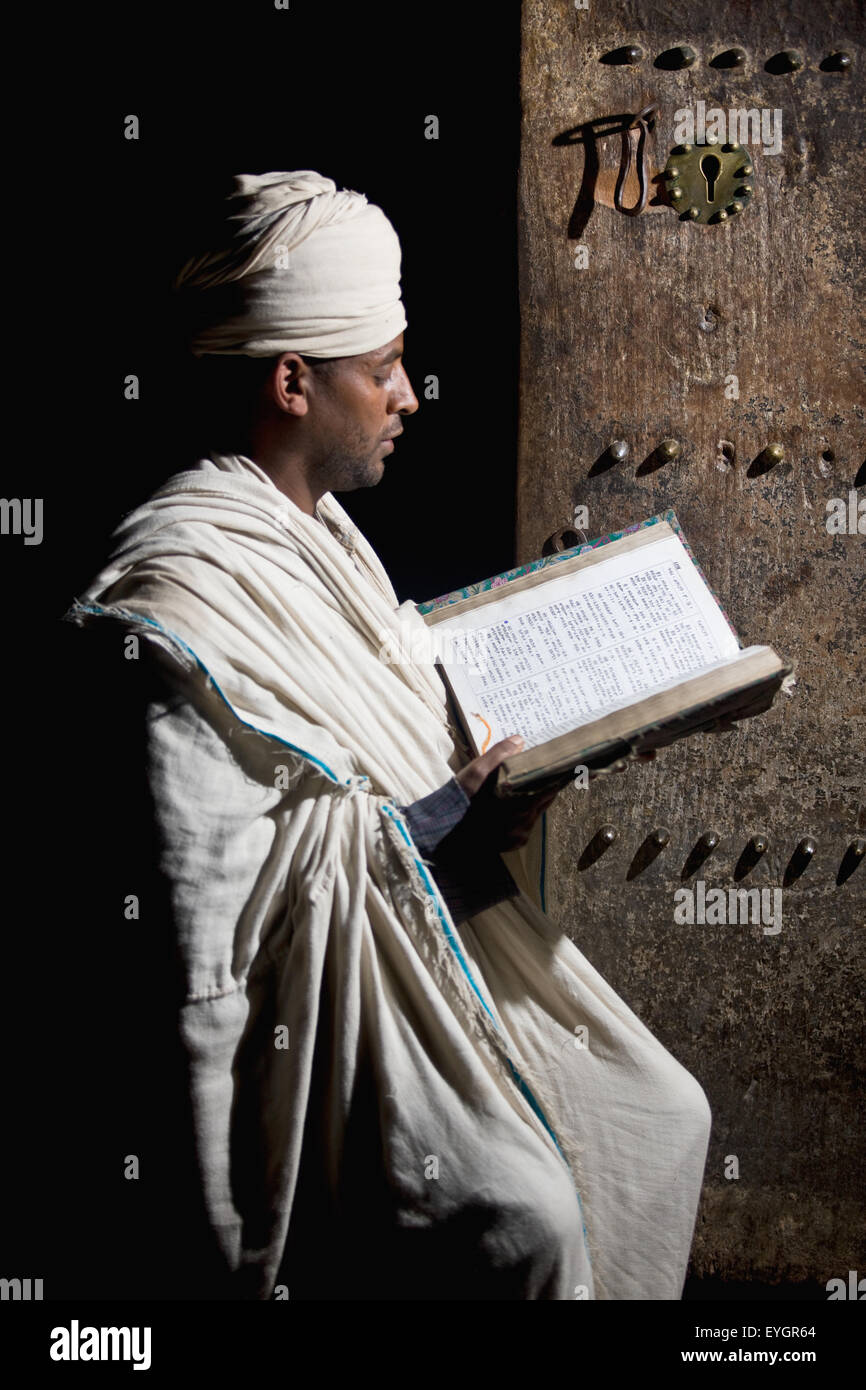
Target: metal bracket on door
x=639, y=126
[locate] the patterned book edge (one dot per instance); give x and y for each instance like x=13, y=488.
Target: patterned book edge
x=499, y=580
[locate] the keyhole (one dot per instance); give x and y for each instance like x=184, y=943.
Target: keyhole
x=711, y=167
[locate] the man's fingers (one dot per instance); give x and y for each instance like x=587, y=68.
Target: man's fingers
x=622, y=763
x=475, y=774
x=519, y=807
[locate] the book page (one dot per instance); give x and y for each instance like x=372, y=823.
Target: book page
x=545, y=660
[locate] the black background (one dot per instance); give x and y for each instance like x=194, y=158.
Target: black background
x=345, y=91
x=100, y=225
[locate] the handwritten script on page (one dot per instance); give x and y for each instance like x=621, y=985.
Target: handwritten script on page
x=545, y=660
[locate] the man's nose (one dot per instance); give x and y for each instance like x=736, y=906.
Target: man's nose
x=404, y=400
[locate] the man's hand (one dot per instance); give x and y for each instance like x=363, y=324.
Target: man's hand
x=473, y=776
x=507, y=820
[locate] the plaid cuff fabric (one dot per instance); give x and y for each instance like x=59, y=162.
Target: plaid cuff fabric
x=436, y=815
x=469, y=875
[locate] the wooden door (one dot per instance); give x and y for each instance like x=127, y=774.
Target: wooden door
x=726, y=337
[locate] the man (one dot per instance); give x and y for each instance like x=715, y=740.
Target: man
x=378, y=1022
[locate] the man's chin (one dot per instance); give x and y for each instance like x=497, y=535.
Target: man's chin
x=377, y=469
x=375, y=473
x=370, y=476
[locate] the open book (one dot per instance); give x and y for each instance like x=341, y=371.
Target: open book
x=614, y=647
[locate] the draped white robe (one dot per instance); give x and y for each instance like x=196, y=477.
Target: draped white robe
x=536, y=1168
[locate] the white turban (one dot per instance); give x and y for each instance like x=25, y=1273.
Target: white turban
x=298, y=267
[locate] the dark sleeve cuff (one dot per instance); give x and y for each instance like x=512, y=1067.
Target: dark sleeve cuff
x=469, y=873
x=436, y=815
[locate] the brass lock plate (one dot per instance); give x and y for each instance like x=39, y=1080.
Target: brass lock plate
x=709, y=183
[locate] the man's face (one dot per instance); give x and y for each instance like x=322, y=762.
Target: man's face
x=356, y=408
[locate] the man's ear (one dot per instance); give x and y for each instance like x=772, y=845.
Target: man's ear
x=289, y=384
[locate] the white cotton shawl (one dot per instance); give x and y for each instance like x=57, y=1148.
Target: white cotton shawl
x=306, y=892
x=296, y=264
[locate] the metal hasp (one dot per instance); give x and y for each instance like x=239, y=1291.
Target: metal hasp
x=709, y=183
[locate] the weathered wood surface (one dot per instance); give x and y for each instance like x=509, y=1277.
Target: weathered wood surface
x=638, y=346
